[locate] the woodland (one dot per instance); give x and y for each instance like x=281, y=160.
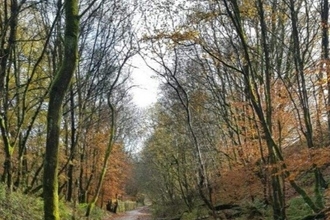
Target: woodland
x=240, y=129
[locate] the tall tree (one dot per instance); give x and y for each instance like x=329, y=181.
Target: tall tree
x=57, y=93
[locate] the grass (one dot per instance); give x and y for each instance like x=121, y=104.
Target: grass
x=18, y=206
x=297, y=209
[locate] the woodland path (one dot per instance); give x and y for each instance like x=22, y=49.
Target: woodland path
x=142, y=213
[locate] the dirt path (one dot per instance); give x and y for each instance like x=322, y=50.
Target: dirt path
x=142, y=213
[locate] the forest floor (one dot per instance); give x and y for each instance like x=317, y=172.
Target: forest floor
x=142, y=213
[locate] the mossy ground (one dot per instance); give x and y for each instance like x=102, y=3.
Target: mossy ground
x=18, y=206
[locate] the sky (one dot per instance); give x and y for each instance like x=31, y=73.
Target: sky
x=145, y=93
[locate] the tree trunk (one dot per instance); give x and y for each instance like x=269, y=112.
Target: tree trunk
x=72, y=149
x=57, y=92
x=6, y=48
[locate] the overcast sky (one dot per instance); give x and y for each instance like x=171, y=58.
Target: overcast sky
x=145, y=93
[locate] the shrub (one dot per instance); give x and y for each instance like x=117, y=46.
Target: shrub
x=297, y=209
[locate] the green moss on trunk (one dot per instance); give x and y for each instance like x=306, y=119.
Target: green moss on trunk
x=57, y=92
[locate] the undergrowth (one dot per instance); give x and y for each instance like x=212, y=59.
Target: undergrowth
x=18, y=206
x=298, y=209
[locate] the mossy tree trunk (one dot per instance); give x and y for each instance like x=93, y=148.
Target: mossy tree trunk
x=57, y=92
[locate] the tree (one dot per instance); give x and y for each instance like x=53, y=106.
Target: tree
x=114, y=44
x=168, y=162
x=245, y=55
x=58, y=89
x=36, y=53
x=24, y=82
x=9, y=34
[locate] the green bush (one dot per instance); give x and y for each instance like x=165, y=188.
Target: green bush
x=124, y=206
x=79, y=212
x=297, y=209
x=18, y=206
